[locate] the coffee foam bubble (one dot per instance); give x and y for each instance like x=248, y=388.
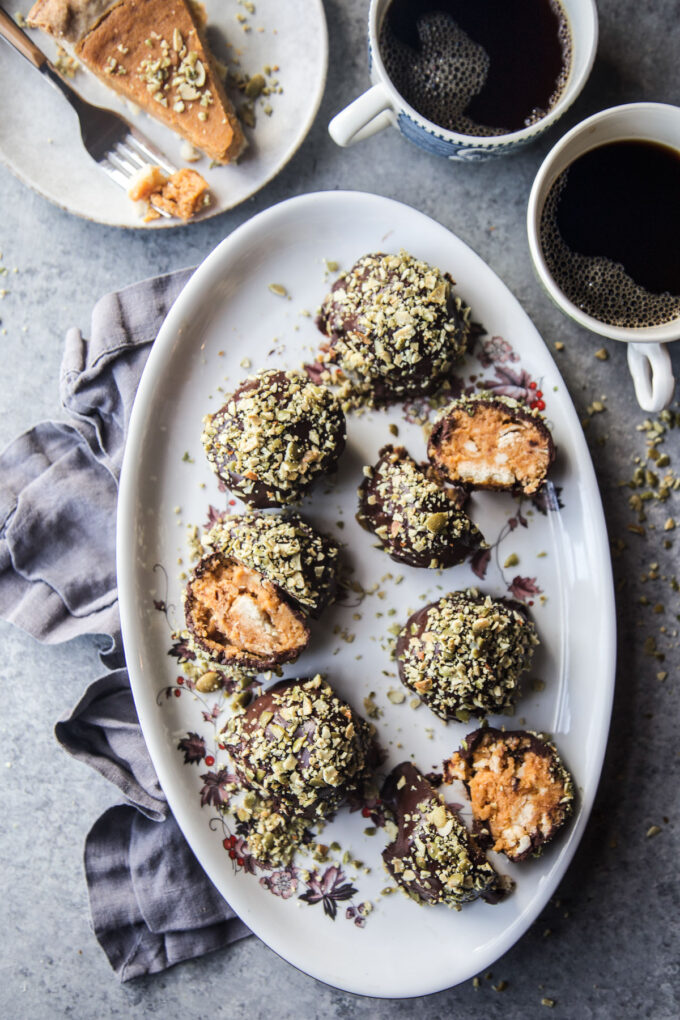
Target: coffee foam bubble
x=446, y=71
x=598, y=286
x=441, y=77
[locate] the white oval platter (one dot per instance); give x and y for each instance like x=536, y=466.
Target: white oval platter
x=226, y=323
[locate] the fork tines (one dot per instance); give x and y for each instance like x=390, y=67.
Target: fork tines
x=130, y=155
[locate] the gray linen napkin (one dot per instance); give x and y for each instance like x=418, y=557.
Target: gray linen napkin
x=151, y=903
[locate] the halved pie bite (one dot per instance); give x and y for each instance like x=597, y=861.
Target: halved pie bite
x=153, y=53
x=522, y=794
x=240, y=618
x=262, y=575
x=418, y=521
x=492, y=442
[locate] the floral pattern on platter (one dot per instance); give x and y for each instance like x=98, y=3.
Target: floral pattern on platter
x=331, y=886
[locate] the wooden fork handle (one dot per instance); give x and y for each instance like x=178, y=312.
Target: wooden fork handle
x=10, y=31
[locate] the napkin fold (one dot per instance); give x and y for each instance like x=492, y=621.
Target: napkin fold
x=151, y=903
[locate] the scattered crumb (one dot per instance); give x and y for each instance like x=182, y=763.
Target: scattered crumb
x=182, y=195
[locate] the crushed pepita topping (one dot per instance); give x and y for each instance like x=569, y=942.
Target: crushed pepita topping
x=470, y=402
x=173, y=74
x=301, y=750
x=414, y=518
x=255, y=86
x=655, y=480
x=285, y=549
x=273, y=436
x=67, y=65
x=395, y=327
x=464, y=654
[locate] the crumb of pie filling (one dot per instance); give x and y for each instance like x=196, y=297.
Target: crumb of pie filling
x=183, y=194
x=145, y=182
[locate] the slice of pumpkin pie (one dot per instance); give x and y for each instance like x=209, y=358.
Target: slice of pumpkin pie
x=153, y=53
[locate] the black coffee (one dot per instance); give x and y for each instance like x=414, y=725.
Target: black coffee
x=610, y=233
x=477, y=67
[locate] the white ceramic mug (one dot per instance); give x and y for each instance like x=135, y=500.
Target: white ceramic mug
x=382, y=105
x=648, y=358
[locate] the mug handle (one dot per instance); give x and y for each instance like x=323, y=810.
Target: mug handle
x=367, y=115
x=650, y=367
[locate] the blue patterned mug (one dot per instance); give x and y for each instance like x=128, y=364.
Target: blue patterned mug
x=382, y=104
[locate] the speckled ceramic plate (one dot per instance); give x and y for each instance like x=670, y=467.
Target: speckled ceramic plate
x=40, y=140
x=227, y=321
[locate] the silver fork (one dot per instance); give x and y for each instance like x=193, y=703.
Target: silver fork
x=116, y=146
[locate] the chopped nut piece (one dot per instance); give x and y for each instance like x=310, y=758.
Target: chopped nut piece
x=255, y=86
x=208, y=682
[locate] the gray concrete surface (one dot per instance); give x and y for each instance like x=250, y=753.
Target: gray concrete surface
x=612, y=947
